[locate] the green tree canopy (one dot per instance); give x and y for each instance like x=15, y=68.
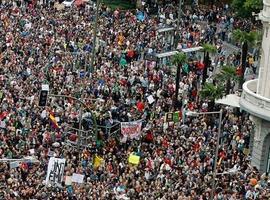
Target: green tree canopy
x=212, y=92
x=227, y=73
x=179, y=59
x=209, y=48
x=244, y=8
x=251, y=38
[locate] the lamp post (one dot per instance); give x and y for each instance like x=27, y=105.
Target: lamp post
x=213, y=189
x=178, y=22
x=179, y=14
x=95, y=35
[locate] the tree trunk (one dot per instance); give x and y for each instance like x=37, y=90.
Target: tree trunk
x=211, y=105
x=244, y=63
x=228, y=86
x=177, y=80
x=206, y=66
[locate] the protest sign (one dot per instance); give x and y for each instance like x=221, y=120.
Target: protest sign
x=134, y=159
x=168, y=117
x=131, y=129
x=55, y=170
x=172, y=117
x=14, y=164
x=150, y=99
x=77, y=178
x=68, y=180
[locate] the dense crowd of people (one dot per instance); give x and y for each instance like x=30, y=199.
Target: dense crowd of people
x=43, y=45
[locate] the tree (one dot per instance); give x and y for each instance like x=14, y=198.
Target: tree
x=253, y=5
x=208, y=48
x=226, y=75
x=246, y=39
x=178, y=60
x=244, y=8
x=211, y=92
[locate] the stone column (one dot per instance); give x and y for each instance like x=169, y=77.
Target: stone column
x=261, y=143
x=263, y=88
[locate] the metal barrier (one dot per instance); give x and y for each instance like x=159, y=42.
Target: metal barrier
x=88, y=138
x=111, y=131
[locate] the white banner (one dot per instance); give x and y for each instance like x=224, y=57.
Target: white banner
x=77, y=178
x=55, y=172
x=131, y=129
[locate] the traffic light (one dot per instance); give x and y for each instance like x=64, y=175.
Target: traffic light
x=43, y=95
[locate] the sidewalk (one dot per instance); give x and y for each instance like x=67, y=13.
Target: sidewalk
x=231, y=46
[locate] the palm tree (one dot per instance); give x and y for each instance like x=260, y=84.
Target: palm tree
x=208, y=48
x=226, y=75
x=178, y=60
x=211, y=92
x=246, y=39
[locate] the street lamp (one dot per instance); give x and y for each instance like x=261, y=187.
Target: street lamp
x=190, y=113
x=178, y=22
x=179, y=14
x=95, y=36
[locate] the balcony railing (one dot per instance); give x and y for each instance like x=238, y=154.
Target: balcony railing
x=254, y=103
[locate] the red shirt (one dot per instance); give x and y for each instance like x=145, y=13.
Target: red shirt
x=140, y=106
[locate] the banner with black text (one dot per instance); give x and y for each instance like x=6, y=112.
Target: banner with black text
x=55, y=172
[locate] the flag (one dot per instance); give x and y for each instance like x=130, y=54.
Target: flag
x=176, y=117
x=220, y=160
x=97, y=161
x=53, y=121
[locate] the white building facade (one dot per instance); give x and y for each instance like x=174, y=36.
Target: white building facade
x=255, y=99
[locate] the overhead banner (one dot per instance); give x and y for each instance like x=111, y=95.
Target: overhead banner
x=55, y=172
x=131, y=129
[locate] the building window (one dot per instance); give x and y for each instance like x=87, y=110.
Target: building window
x=266, y=32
